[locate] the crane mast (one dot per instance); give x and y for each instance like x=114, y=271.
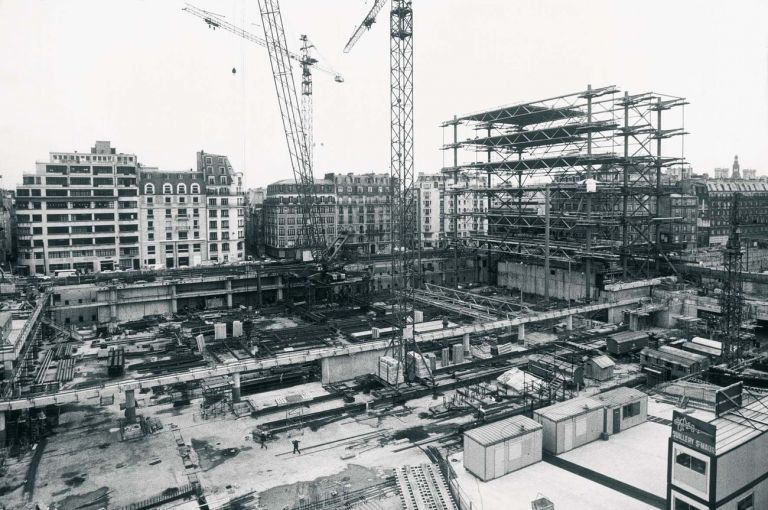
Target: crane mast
x=403, y=183
x=732, y=298
x=312, y=229
x=404, y=197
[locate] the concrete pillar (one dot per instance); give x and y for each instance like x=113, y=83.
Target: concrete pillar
x=228, y=288
x=174, y=300
x=8, y=369
x=375, y=333
x=2, y=429
x=237, y=329
x=445, y=357
x=458, y=353
x=258, y=287
x=521, y=332
x=130, y=406
x=236, y=387
x=279, y=288
x=569, y=323
x=112, y=304
x=418, y=316
x=466, y=344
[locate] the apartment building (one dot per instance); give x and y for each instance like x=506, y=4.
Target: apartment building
x=437, y=195
x=679, y=233
x=79, y=211
x=283, y=218
x=254, y=222
x=173, y=218
x=7, y=228
x=226, y=207
x=102, y=210
x=363, y=211
x=715, y=203
x=432, y=209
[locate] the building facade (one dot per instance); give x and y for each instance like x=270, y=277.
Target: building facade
x=226, y=208
x=437, y=196
x=254, y=222
x=715, y=201
x=8, y=233
x=283, y=218
x=173, y=218
x=679, y=234
x=79, y=211
x=363, y=211
x=102, y=210
x=360, y=205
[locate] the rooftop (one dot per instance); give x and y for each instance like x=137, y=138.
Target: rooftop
x=499, y=431
x=674, y=355
x=629, y=336
x=603, y=361
x=619, y=396
x=569, y=408
x=738, y=426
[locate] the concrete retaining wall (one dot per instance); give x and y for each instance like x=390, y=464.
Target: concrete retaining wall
x=531, y=279
x=344, y=368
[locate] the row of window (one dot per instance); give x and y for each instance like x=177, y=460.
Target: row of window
x=181, y=189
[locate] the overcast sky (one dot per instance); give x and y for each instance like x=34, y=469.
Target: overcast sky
x=158, y=83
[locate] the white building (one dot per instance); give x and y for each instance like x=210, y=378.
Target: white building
x=437, y=193
x=226, y=207
x=80, y=211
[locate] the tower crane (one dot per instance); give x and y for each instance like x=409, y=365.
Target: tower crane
x=403, y=185
x=296, y=118
x=732, y=297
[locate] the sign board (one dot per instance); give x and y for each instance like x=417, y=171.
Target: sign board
x=728, y=398
x=693, y=433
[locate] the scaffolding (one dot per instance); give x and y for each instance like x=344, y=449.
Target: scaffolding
x=573, y=179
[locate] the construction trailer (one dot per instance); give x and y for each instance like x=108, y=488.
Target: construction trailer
x=502, y=447
x=668, y=363
x=599, y=368
x=626, y=342
x=623, y=408
x=710, y=352
x=570, y=424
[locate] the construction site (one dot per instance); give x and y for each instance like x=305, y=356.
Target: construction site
x=558, y=355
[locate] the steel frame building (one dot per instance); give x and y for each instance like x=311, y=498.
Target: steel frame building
x=574, y=178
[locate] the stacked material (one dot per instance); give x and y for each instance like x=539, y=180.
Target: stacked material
x=420, y=366
x=200, y=339
x=518, y=382
x=482, y=351
x=504, y=348
x=423, y=487
x=390, y=370
x=445, y=357
x=220, y=331
x=237, y=329
x=458, y=353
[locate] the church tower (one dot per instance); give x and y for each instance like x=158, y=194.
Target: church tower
x=736, y=174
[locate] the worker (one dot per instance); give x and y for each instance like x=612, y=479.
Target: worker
x=263, y=439
x=296, y=446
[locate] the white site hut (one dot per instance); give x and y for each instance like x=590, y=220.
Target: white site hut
x=499, y=448
x=570, y=424
x=624, y=408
